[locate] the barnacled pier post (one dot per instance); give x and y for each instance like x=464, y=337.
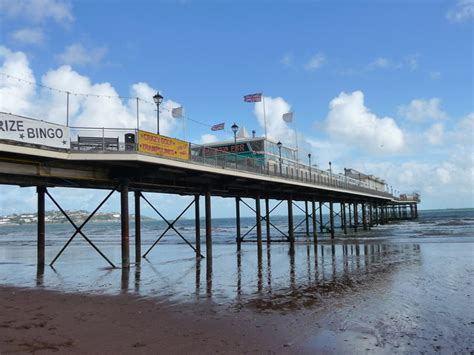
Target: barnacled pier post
x=40, y=190
x=197, y=225
x=125, y=224
x=138, y=230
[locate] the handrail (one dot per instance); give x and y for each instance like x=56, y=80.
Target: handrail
x=209, y=156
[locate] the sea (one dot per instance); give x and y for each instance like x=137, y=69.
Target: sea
x=409, y=283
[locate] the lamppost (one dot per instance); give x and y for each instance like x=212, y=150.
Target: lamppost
x=158, y=100
x=279, y=151
x=330, y=172
x=309, y=158
x=235, y=128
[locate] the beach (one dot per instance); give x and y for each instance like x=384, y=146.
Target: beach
x=403, y=287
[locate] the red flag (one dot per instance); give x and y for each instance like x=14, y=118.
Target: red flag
x=218, y=127
x=253, y=98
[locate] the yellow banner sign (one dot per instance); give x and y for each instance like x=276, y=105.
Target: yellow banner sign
x=160, y=145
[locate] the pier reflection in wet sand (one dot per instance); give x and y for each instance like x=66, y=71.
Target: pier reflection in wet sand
x=281, y=277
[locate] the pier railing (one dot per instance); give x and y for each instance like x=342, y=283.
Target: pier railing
x=119, y=140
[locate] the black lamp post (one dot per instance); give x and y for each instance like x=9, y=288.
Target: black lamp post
x=235, y=128
x=279, y=150
x=158, y=100
x=309, y=158
x=330, y=172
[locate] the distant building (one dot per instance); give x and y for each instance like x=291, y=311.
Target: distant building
x=369, y=181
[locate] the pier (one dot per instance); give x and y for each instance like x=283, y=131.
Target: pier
x=129, y=161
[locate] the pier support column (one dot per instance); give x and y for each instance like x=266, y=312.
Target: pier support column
x=371, y=216
x=291, y=232
x=315, y=235
x=350, y=215
x=341, y=215
x=267, y=219
x=331, y=218
x=197, y=225
x=138, y=228
x=207, y=202
x=258, y=217
x=321, y=225
x=124, y=219
x=356, y=217
x=344, y=217
x=237, y=223
x=377, y=221
x=416, y=210
x=306, y=218
x=40, y=190
x=364, y=216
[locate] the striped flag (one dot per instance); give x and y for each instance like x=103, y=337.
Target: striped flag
x=253, y=98
x=218, y=127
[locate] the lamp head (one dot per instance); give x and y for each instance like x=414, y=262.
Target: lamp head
x=279, y=144
x=234, y=128
x=158, y=98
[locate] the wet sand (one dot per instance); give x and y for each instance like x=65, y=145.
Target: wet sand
x=39, y=321
x=380, y=298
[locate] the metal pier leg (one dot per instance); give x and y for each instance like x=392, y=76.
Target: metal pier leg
x=377, y=221
x=344, y=217
x=267, y=219
x=364, y=216
x=370, y=216
x=41, y=225
x=207, y=201
x=321, y=225
x=356, y=217
x=291, y=234
x=315, y=235
x=124, y=224
x=416, y=210
x=307, y=218
x=237, y=223
x=138, y=229
x=331, y=218
x=197, y=223
x=341, y=215
x=350, y=215
x=258, y=217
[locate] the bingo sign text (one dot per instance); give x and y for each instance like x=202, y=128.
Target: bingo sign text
x=25, y=130
x=160, y=145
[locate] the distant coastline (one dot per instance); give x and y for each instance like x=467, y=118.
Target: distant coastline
x=56, y=217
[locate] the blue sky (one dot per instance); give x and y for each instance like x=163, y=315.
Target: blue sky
x=382, y=86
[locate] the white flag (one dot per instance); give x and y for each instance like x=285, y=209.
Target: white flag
x=177, y=112
x=288, y=117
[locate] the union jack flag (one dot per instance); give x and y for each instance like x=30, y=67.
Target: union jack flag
x=218, y=127
x=253, y=98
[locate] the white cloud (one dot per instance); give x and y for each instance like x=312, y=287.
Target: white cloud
x=208, y=138
x=15, y=96
x=464, y=11
x=86, y=111
x=38, y=11
x=419, y=110
x=315, y=62
x=277, y=129
x=412, y=62
x=435, y=75
x=77, y=54
x=29, y=36
x=435, y=134
x=383, y=63
x=350, y=120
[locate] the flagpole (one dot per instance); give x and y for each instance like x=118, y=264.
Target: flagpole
x=264, y=115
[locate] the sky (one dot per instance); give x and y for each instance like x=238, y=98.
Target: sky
x=385, y=87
